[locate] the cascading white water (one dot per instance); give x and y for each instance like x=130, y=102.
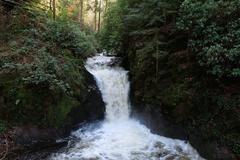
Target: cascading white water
x=120, y=137
x=114, y=86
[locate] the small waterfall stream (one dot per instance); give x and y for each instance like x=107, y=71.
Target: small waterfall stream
x=119, y=137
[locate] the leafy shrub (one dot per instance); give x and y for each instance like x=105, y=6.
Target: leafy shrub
x=43, y=74
x=46, y=48
x=214, y=30
x=167, y=62
x=112, y=32
x=47, y=70
x=67, y=35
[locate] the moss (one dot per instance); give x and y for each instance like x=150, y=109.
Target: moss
x=43, y=104
x=24, y=104
x=21, y=103
x=58, y=114
x=174, y=95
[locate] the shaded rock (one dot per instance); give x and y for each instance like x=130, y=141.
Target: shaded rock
x=159, y=123
x=94, y=101
x=223, y=153
x=117, y=61
x=30, y=135
x=31, y=142
x=93, y=108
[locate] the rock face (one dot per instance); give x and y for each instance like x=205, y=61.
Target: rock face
x=193, y=103
x=158, y=123
x=31, y=142
x=93, y=108
x=29, y=135
x=162, y=124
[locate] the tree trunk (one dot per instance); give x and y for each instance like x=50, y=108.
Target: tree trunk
x=106, y=6
x=157, y=52
x=54, y=9
x=50, y=5
x=99, y=15
x=81, y=19
x=95, y=12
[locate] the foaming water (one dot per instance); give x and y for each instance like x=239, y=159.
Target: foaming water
x=113, y=84
x=120, y=137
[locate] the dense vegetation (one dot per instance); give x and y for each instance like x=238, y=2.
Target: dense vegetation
x=42, y=75
x=183, y=57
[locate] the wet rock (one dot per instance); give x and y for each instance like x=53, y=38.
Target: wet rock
x=171, y=157
x=93, y=108
x=183, y=158
x=160, y=123
x=94, y=102
x=30, y=142
x=29, y=135
x=179, y=149
x=116, y=62
x=157, y=122
x=39, y=151
x=158, y=145
x=224, y=154
x=163, y=153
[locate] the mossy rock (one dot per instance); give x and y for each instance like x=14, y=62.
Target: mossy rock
x=38, y=105
x=58, y=113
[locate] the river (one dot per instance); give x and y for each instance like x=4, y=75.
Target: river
x=120, y=137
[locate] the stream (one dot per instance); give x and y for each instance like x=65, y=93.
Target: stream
x=119, y=137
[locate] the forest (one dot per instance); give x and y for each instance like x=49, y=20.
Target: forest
x=179, y=58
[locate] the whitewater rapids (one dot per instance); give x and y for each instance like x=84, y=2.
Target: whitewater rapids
x=119, y=137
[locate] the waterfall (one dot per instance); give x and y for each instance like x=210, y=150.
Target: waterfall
x=114, y=86
x=119, y=137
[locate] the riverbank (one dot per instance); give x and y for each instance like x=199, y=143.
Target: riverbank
x=201, y=109
x=32, y=142
x=44, y=87
x=183, y=63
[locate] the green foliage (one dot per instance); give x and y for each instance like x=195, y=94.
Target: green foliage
x=217, y=117
x=135, y=18
x=174, y=95
x=2, y=126
x=183, y=55
x=213, y=27
x=63, y=108
x=111, y=34
x=67, y=35
x=42, y=74
x=45, y=70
